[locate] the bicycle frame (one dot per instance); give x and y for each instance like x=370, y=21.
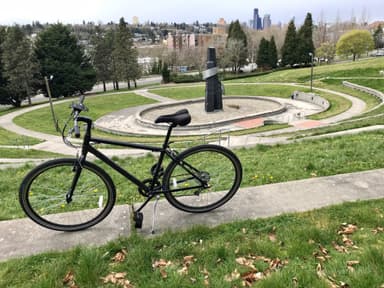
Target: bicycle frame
x=88, y=148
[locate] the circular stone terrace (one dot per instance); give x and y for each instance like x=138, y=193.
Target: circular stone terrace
x=239, y=113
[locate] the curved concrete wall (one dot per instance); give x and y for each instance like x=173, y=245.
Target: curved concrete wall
x=311, y=98
x=147, y=123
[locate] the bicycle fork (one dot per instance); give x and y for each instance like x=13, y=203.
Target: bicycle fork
x=77, y=170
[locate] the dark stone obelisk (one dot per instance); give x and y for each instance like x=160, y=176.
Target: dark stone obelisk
x=213, y=91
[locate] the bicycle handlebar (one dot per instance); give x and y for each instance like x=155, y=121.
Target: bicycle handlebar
x=76, y=127
x=77, y=108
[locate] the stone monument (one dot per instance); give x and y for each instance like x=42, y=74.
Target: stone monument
x=213, y=89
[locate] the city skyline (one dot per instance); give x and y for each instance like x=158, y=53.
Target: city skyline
x=77, y=11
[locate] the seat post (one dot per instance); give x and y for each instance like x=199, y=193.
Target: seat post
x=168, y=136
x=161, y=157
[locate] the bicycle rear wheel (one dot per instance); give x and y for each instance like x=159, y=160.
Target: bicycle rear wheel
x=43, y=195
x=202, y=178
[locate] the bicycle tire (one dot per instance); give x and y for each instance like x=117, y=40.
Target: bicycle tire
x=223, y=180
x=42, y=195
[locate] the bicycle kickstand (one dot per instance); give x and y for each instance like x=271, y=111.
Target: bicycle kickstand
x=154, y=214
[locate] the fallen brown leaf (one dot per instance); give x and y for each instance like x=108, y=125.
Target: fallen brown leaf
x=119, y=256
x=69, y=280
x=188, y=260
x=295, y=281
x=117, y=279
x=233, y=276
x=250, y=277
x=161, y=263
x=183, y=270
x=272, y=237
x=322, y=254
x=163, y=273
x=351, y=263
x=339, y=248
x=277, y=263
x=347, y=229
x=377, y=230
x=69, y=277
x=245, y=262
x=323, y=250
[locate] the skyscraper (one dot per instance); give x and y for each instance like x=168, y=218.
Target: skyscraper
x=267, y=21
x=257, y=20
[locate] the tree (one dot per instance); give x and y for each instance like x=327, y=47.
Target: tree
x=378, y=37
x=262, y=59
x=327, y=51
x=272, y=53
x=3, y=81
x=354, y=42
x=305, y=44
x=102, y=56
x=20, y=66
x=165, y=73
x=60, y=55
x=289, y=50
x=237, y=43
x=234, y=54
x=125, y=55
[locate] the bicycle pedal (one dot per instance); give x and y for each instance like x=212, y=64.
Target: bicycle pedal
x=138, y=218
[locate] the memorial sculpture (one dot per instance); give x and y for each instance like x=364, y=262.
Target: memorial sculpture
x=213, y=88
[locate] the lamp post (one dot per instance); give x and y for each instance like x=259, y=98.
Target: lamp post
x=50, y=101
x=311, y=54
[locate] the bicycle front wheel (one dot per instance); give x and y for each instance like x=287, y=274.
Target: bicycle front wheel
x=45, y=191
x=202, y=178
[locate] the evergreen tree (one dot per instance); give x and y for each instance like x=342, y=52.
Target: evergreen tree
x=236, y=34
x=165, y=73
x=60, y=55
x=289, y=55
x=304, y=42
x=125, y=55
x=3, y=81
x=20, y=66
x=102, y=56
x=272, y=53
x=263, y=60
x=378, y=37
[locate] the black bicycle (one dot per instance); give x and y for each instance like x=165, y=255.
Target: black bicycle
x=72, y=194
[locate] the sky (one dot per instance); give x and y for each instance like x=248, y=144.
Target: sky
x=188, y=11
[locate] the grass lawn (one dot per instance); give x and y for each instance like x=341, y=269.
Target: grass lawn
x=9, y=138
x=98, y=106
x=368, y=67
x=321, y=248
x=26, y=153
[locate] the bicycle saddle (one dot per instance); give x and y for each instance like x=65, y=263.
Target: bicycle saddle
x=181, y=118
